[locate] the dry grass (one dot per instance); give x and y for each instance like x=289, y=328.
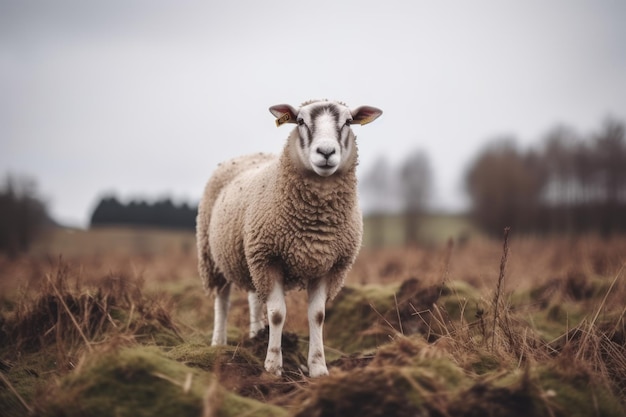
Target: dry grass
x=449, y=327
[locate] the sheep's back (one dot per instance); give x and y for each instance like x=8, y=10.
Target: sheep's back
x=210, y=234
x=225, y=198
x=226, y=172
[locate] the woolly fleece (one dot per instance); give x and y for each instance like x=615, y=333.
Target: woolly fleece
x=263, y=215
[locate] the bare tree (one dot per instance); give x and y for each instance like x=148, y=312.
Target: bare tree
x=379, y=191
x=505, y=187
x=22, y=215
x=573, y=184
x=563, y=190
x=416, y=182
x=610, y=145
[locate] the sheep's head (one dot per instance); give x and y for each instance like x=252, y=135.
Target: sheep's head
x=325, y=138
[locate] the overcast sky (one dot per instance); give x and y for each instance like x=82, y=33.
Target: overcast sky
x=144, y=98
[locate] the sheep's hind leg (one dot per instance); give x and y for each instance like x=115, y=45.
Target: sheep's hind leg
x=276, y=310
x=222, y=303
x=256, y=313
x=317, y=294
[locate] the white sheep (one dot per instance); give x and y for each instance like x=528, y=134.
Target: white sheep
x=271, y=223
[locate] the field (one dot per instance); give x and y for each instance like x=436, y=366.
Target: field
x=114, y=322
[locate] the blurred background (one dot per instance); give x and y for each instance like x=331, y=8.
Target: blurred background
x=495, y=113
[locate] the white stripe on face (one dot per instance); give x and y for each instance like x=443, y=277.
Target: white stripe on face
x=325, y=151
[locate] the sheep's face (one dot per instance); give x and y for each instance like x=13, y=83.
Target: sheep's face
x=325, y=138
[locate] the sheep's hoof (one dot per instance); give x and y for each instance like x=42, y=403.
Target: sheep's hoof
x=316, y=370
x=274, y=370
x=274, y=365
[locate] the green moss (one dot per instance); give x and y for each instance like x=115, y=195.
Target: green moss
x=207, y=357
x=354, y=320
x=485, y=363
x=26, y=381
x=600, y=287
x=27, y=373
x=540, y=392
x=406, y=377
x=236, y=406
x=556, y=320
x=460, y=300
x=140, y=381
x=364, y=391
x=438, y=387
x=443, y=372
x=511, y=396
x=415, y=353
x=428, y=380
x=153, y=332
x=577, y=394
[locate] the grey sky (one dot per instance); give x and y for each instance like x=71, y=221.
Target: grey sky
x=145, y=98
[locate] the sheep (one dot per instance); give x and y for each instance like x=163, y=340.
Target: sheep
x=269, y=224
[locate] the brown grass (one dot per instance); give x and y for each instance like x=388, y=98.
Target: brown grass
x=560, y=313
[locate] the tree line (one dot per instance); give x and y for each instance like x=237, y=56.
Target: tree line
x=22, y=215
x=162, y=213
x=568, y=184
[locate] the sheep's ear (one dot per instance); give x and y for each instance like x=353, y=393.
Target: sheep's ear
x=365, y=114
x=284, y=114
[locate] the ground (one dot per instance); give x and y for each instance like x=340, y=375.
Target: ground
x=115, y=322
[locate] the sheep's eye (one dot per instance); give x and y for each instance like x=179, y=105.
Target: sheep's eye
x=348, y=122
x=300, y=121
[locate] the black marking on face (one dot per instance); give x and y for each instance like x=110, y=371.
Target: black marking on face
x=338, y=132
x=319, y=110
x=347, y=131
x=309, y=135
x=277, y=318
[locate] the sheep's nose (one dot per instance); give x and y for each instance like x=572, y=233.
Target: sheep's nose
x=325, y=151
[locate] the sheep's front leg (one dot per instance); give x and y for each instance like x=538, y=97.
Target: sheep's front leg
x=317, y=307
x=222, y=302
x=256, y=311
x=276, y=311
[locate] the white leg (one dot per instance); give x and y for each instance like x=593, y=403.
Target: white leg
x=276, y=311
x=256, y=313
x=317, y=307
x=222, y=303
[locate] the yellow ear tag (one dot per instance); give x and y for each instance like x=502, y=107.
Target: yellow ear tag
x=283, y=119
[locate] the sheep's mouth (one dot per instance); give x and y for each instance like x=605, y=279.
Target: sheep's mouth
x=325, y=169
x=325, y=165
